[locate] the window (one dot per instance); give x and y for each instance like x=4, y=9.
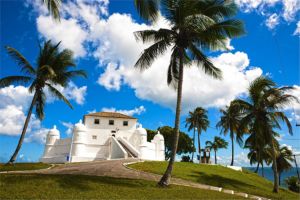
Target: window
x=125, y=123
x=111, y=122
x=113, y=131
x=96, y=121
x=94, y=137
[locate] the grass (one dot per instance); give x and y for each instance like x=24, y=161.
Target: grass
x=23, y=166
x=34, y=186
x=219, y=176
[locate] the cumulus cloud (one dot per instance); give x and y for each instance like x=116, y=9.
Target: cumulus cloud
x=294, y=107
x=266, y=8
x=120, y=51
x=135, y=111
x=272, y=21
x=69, y=127
x=14, y=103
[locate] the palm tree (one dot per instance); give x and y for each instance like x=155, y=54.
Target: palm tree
x=262, y=114
x=285, y=156
x=190, y=124
x=53, y=68
x=229, y=122
x=199, y=121
x=196, y=26
x=53, y=8
x=218, y=143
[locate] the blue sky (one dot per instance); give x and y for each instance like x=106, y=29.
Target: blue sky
x=100, y=34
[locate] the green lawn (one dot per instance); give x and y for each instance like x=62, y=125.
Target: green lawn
x=246, y=181
x=29, y=186
x=23, y=166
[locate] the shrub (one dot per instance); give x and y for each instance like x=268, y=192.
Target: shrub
x=185, y=159
x=293, y=183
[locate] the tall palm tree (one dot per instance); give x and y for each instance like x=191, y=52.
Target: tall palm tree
x=201, y=124
x=53, y=7
x=196, y=27
x=229, y=123
x=284, y=157
x=190, y=124
x=262, y=114
x=218, y=143
x=54, y=67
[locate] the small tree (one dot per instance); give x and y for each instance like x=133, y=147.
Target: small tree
x=293, y=184
x=185, y=144
x=218, y=143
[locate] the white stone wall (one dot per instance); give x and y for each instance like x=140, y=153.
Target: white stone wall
x=95, y=142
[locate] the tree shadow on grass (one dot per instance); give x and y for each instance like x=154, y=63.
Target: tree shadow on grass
x=220, y=181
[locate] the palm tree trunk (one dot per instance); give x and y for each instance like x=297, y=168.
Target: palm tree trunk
x=276, y=178
x=262, y=169
x=193, y=146
x=279, y=178
x=199, y=146
x=215, y=157
x=14, y=156
x=232, y=148
x=256, y=170
x=165, y=179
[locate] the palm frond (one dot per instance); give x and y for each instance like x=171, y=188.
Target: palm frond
x=10, y=80
x=59, y=95
x=53, y=8
x=147, y=9
x=21, y=60
x=149, y=54
x=205, y=63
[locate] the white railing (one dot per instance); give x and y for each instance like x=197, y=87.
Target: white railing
x=130, y=147
x=116, y=150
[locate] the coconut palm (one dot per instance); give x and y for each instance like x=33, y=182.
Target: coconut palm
x=218, y=143
x=262, y=114
x=229, y=123
x=190, y=124
x=198, y=120
x=196, y=27
x=53, y=8
x=54, y=68
x=284, y=157
x=147, y=9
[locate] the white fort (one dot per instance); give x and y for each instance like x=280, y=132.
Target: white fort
x=103, y=135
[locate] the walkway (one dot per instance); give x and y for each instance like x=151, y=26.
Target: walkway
x=118, y=169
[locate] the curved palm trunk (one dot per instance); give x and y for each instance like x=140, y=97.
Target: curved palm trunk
x=165, y=179
x=14, y=156
x=279, y=178
x=256, y=170
x=215, y=157
x=262, y=169
x=199, y=146
x=193, y=146
x=232, y=148
x=276, y=178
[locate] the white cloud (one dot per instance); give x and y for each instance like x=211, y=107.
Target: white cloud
x=297, y=31
x=14, y=102
x=69, y=127
x=291, y=7
x=37, y=136
x=289, y=10
x=69, y=32
x=135, y=111
x=120, y=52
x=272, y=21
x=71, y=92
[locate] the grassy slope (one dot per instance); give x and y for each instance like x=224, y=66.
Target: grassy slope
x=246, y=181
x=23, y=166
x=16, y=186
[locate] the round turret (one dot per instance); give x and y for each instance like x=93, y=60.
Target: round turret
x=79, y=139
x=158, y=137
x=52, y=136
x=142, y=134
x=159, y=142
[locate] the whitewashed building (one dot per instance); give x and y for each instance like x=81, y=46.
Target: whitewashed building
x=103, y=135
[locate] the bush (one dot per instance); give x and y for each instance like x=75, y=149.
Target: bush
x=293, y=184
x=185, y=159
